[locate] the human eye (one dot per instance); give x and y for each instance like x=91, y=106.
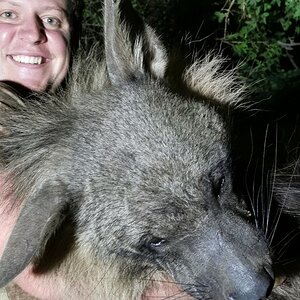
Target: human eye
x=52, y=22
x=7, y=14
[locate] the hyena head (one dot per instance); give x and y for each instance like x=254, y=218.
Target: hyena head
x=143, y=172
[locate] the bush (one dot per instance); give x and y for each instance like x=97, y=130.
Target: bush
x=263, y=34
x=92, y=23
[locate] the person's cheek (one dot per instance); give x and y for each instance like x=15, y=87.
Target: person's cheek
x=6, y=36
x=3, y=39
x=60, y=51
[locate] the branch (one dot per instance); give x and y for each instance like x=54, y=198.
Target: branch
x=226, y=22
x=288, y=46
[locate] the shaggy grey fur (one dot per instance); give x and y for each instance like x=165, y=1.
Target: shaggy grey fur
x=140, y=174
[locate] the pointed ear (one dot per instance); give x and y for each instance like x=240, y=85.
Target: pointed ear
x=39, y=217
x=130, y=53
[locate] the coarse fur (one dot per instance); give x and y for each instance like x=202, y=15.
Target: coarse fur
x=137, y=178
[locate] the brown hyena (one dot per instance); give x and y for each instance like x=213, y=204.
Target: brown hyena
x=125, y=183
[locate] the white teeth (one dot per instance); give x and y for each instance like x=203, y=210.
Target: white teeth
x=27, y=59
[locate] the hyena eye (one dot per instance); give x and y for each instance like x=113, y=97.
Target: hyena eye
x=217, y=186
x=152, y=244
x=156, y=243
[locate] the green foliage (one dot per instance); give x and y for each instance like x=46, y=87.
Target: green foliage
x=263, y=35
x=92, y=23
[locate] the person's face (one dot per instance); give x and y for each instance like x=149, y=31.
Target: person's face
x=34, y=42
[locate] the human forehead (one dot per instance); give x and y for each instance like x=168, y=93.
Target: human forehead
x=39, y=5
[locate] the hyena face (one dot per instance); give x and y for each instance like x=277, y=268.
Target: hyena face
x=161, y=191
x=143, y=172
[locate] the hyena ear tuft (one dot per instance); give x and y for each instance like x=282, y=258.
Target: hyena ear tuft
x=39, y=217
x=132, y=49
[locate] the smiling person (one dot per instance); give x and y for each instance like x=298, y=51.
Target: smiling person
x=36, y=41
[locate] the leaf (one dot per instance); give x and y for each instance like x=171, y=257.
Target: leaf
x=220, y=16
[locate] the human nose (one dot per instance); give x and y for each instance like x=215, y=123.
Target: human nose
x=32, y=31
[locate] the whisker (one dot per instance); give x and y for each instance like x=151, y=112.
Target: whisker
x=285, y=262
x=286, y=244
x=270, y=198
x=283, y=240
x=253, y=186
x=262, y=178
x=280, y=211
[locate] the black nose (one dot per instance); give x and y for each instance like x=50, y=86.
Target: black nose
x=258, y=288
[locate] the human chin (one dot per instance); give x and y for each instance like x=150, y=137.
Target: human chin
x=34, y=80
x=34, y=84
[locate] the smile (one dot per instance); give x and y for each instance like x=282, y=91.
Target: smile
x=33, y=60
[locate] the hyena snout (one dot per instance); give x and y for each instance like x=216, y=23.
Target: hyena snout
x=214, y=267
x=257, y=287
